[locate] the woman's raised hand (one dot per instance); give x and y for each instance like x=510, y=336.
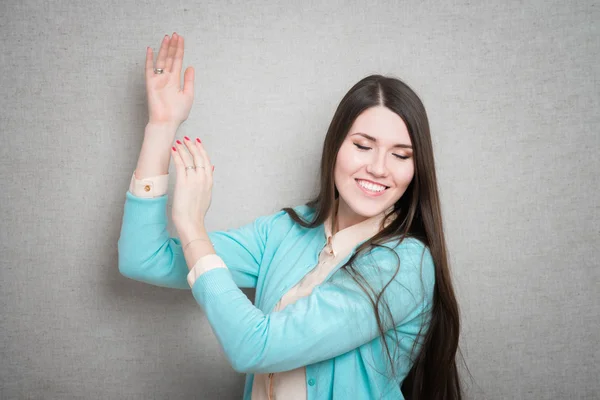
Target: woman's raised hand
x=168, y=104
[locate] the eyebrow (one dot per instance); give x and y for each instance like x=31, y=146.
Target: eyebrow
x=371, y=138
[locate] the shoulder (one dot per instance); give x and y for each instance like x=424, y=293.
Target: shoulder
x=409, y=260
x=409, y=248
x=282, y=219
x=304, y=211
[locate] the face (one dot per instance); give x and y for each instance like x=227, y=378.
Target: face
x=377, y=160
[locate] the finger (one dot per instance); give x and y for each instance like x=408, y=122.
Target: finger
x=171, y=52
x=185, y=156
x=197, y=157
x=149, y=69
x=178, y=60
x=196, y=154
x=162, y=53
x=188, y=82
x=179, y=166
x=205, y=159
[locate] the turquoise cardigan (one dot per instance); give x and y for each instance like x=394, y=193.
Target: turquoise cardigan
x=333, y=331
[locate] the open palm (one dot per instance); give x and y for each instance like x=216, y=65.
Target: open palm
x=168, y=103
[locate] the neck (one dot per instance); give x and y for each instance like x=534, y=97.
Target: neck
x=344, y=217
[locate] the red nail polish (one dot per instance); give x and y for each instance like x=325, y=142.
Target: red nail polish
x=186, y=138
x=213, y=167
x=198, y=140
x=174, y=149
x=178, y=142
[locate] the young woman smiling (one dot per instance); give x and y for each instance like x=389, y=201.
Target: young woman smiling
x=353, y=292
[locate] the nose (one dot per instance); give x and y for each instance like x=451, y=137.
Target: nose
x=377, y=166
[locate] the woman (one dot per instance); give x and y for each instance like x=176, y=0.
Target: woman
x=353, y=292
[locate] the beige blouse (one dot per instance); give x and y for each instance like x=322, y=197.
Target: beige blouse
x=288, y=385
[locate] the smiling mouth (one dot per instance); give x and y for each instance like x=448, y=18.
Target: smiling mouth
x=372, y=192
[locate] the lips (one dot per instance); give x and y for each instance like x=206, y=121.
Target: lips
x=376, y=183
x=369, y=193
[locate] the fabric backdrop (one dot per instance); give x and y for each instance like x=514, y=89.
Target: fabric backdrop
x=512, y=92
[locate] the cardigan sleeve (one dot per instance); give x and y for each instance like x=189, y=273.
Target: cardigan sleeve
x=153, y=186
x=334, y=319
x=147, y=253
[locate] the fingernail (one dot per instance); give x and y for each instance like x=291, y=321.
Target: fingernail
x=174, y=149
x=178, y=142
x=213, y=167
x=198, y=140
x=186, y=138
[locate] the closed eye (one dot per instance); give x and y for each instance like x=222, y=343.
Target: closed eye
x=368, y=148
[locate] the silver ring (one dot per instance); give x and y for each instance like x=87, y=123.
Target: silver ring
x=158, y=70
x=194, y=167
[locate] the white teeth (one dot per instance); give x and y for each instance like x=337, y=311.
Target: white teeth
x=371, y=186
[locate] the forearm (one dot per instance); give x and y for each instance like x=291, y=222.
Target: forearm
x=199, y=244
x=146, y=252
x=155, y=154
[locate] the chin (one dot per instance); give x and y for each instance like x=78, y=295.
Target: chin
x=363, y=208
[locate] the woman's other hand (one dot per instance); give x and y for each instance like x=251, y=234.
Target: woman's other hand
x=168, y=104
x=193, y=187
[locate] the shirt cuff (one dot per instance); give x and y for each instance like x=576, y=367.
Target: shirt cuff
x=154, y=186
x=205, y=263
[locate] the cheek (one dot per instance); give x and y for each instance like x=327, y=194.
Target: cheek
x=345, y=162
x=344, y=157
x=403, y=176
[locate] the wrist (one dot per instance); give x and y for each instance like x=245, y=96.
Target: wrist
x=195, y=244
x=188, y=233
x=166, y=130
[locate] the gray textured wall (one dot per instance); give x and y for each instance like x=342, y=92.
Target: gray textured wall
x=512, y=91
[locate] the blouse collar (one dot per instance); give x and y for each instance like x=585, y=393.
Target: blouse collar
x=346, y=239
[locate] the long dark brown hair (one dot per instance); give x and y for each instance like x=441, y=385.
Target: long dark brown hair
x=434, y=373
